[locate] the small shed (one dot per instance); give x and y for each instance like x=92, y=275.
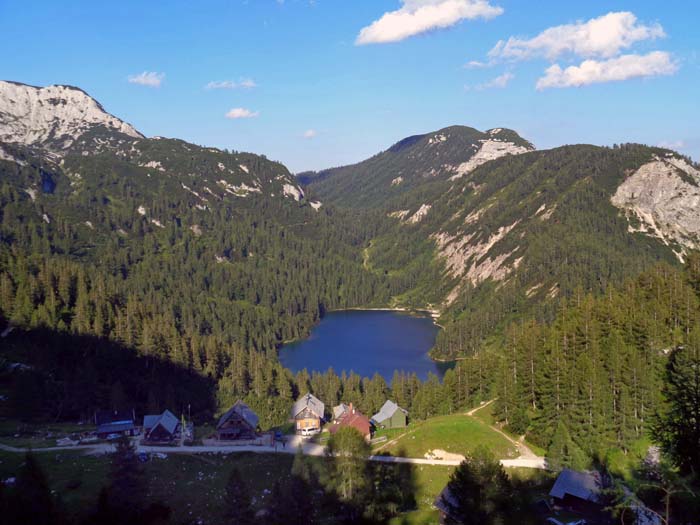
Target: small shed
x=238, y=423
x=390, y=415
x=307, y=413
x=161, y=428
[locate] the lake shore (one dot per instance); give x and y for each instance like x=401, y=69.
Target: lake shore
x=434, y=314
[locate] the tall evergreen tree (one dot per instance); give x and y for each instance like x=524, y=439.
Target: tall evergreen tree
x=238, y=507
x=479, y=491
x=678, y=425
x=31, y=502
x=127, y=487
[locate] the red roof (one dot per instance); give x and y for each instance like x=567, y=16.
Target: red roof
x=354, y=419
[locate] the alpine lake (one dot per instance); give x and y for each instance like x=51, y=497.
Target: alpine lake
x=367, y=342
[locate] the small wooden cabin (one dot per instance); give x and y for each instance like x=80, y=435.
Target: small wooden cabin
x=307, y=413
x=238, y=423
x=578, y=492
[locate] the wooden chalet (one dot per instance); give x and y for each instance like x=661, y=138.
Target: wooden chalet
x=307, y=413
x=161, y=428
x=578, y=492
x=238, y=423
x=355, y=419
x=390, y=415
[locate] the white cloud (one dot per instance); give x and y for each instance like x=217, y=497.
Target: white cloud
x=147, y=78
x=603, y=37
x=239, y=113
x=476, y=64
x=310, y=133
x=620, y=68
x=246, y=83
x=419, y=16
x=499, y=82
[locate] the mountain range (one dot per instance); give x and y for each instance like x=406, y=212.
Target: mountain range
x=495, y=230
x=479, y=226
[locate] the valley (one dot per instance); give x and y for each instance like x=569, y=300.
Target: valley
x=158, y=278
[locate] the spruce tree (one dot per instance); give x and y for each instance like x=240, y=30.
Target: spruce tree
x=237, y=501
x=349, y=451
x=479, y=491
x=31, y=502
x=678, y=426
x=127, y=482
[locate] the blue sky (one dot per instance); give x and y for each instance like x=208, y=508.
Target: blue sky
x=336, y=81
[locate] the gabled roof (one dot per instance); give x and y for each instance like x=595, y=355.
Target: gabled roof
x=167, y=420
x=354, y=419
x=244, y=412
x=583, y=485
x=340, y=410
x=311, y=402
x=388, y=409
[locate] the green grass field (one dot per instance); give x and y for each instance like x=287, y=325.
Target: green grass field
x=192, y=485
x=485, y=414
x=457, y=434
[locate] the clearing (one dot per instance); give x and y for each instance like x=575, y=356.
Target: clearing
x=454, y=434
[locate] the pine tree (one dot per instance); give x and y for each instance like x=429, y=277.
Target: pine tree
x=32, y=502
x=678, y=425
x=563, y=452
x=479, y=491
x=127, y=482
x=349, y=451
x=238, y=507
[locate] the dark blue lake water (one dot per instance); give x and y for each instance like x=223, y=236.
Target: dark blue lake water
x=366, y=342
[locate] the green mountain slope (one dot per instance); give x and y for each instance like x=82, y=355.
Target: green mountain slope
x=197, y=256
x=515, y=234
x=420, y=164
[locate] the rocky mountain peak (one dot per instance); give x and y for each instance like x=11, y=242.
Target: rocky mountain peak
x=52, y=117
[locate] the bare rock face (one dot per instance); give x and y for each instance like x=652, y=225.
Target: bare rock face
x=662, y=199
x=52, y=117
x=490, y=149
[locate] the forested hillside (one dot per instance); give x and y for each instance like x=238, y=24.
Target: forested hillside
x=515, y=235
x=196, y=257
x=596, y=372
